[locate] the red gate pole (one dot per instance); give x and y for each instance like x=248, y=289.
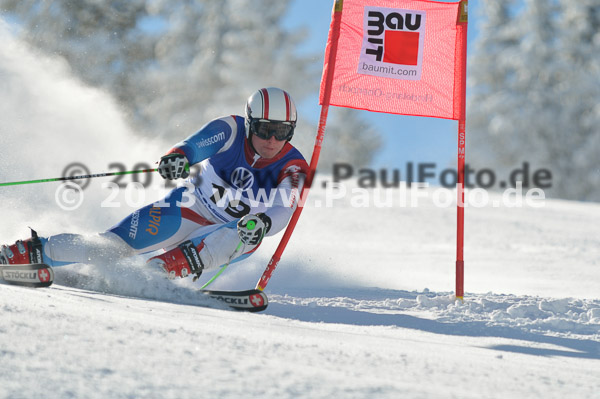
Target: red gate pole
x=461, y=53
x=460, y=214
x=334, y=33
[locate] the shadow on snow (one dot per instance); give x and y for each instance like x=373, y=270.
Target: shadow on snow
x=575, y=348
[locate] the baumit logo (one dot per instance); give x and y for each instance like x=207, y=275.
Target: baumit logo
x=392, y=43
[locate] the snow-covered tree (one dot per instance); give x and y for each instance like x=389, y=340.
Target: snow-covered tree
x=175, y=65
x=534, y=94
x=100, y=39
x=214, y=54
x=492, y=80
x=579, y=49
x=355, y=147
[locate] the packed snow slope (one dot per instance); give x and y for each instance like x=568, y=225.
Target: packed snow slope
x=336, y=326
x=361, y=304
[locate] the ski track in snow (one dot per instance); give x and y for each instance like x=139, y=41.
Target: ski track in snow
x=560, y=317
x=334, y=327
x=126, y=339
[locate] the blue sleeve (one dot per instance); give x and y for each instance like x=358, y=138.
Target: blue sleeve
x=209, y=140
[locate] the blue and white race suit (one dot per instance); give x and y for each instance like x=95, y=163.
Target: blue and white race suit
x=233, y=181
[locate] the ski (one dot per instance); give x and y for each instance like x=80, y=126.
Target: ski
x=249, y=300
x=35, y=275
x=39, y=275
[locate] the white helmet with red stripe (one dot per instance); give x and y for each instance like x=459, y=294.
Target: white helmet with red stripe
x=271, y=112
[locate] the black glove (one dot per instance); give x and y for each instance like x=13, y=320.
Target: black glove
x=174, y=166
x=252, y=228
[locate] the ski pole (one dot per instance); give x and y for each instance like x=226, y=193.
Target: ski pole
x=67, y=178
x=209, y=282
x=250, y=226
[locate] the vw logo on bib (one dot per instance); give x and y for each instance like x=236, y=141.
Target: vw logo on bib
x=242, y=178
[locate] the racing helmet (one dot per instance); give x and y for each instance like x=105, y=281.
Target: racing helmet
x=271, y=112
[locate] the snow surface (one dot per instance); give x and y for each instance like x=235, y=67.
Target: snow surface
x=361, y=304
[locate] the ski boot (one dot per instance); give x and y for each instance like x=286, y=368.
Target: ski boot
x=180, y=261
x=23, y=252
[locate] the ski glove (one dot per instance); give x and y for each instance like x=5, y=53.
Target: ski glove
x=174, y=166
x=252, y=228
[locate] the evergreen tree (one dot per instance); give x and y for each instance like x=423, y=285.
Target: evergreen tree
x=533, y=97
x=100, y=39
x=355, y=146
x=175, y=65
x=579, y=50
x=214, y=54
x=491, y=92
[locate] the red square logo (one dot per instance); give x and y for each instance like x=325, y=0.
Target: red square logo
x=401, y=47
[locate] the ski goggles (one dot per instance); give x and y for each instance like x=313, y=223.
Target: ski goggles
x=265, y=129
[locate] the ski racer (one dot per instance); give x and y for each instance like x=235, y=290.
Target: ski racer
x=248, y=186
